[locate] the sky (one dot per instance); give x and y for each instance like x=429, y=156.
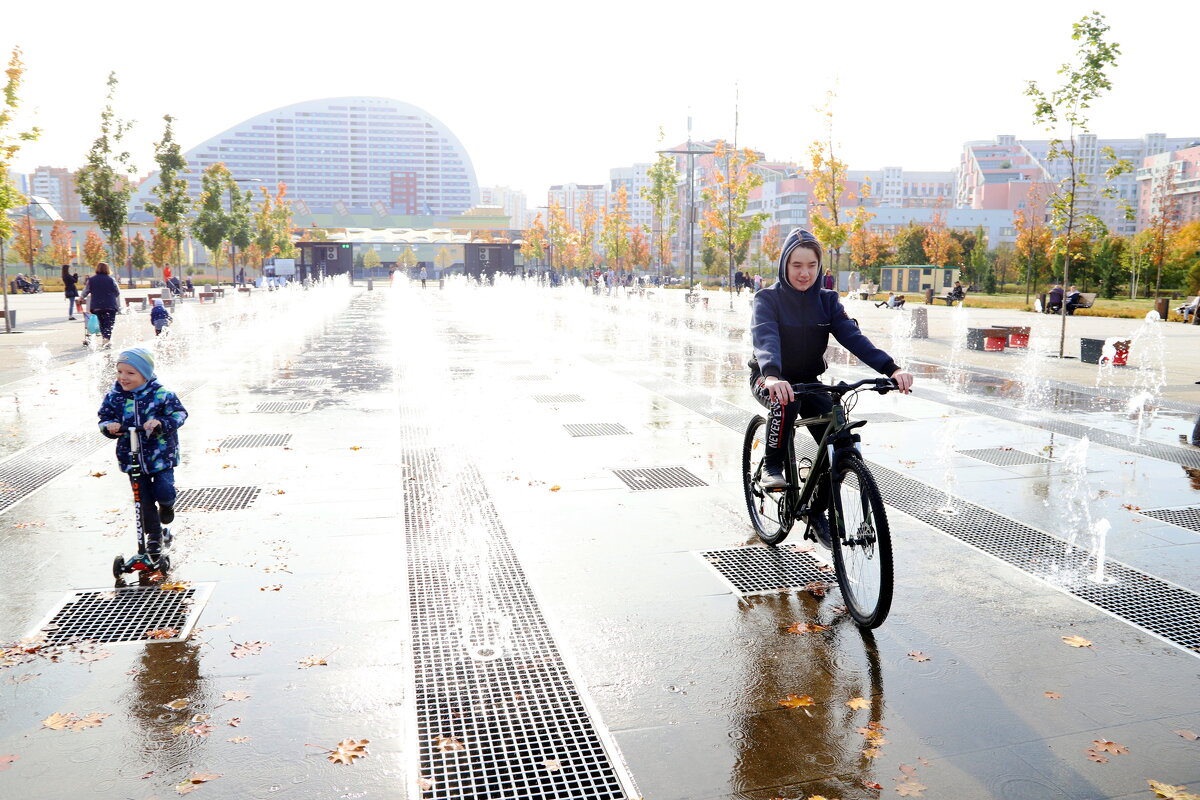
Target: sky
x=552, y=92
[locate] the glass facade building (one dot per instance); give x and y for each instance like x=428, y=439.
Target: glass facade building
x=346, y=155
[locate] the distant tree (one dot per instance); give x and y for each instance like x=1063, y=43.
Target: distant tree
x=139, y=258
x=371, y=259
x=1033, y=242
x=1108, y=265
x=10, y=144
x=103, y=183
x=172, y=190
x=771, y=246
x=614, y=232
x=212, y=223
x=640, y=256
x=534, y=241
x=163, y=249
x=938, y=243
x=281, y=216
x=828, y=178
x=708, y=257
x=981, y=266
x=93, y=248
x=558, y=234
x=408, y=257
x=60, y=243
x=241, y=222
x=725, y=225
x=585, y=233
x=910, y=245
x=1163, y=220
x=1185, y=251
x=1006, y=264
x=1065, y=109
x=28, y=241
x=662, y=194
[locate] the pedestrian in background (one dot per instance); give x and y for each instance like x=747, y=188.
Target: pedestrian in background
x=160, y=318
x=70, y=289
x=104, y=300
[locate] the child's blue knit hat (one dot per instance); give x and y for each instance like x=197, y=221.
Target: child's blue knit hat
x=140, y=359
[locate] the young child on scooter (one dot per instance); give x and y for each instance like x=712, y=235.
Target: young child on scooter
x=138, y=400
x=160, y=318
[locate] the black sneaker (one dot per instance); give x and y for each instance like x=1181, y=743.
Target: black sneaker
x=166, y=514
x=773, y=477
x=818, y=530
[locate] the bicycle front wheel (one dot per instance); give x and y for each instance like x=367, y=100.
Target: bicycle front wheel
x=862, y=542
x=770, y=512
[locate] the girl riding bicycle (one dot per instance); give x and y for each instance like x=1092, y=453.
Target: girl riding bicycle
x=790, y=329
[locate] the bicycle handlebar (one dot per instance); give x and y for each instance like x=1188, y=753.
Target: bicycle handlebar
x=881, y=385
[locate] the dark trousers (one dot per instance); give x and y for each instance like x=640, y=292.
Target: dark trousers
x=157, y=488
x=780, y=418
x=106, y=316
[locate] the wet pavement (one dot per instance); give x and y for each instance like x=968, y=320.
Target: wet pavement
x=501, y=615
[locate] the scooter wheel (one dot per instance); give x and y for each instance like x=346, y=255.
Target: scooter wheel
x=118, y=567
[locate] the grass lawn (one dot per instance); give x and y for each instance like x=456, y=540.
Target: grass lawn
x=1117, y=307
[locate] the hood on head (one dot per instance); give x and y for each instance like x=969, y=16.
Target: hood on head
x=793, y=240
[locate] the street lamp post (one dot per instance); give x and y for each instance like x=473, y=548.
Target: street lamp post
x=691, y=211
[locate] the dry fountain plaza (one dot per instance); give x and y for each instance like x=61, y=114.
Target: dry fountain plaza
x=499, y=533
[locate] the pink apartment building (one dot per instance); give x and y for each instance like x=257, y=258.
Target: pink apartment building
x=1169, y=183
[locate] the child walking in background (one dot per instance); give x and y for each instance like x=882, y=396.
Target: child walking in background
x=138, y=400
x=160, y=318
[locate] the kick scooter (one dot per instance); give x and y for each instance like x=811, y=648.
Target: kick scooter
x=148, y=568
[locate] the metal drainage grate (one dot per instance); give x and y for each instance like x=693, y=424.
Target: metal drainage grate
x=299, y=383
x=256, y=440
x=762, y=570
x=28, y=471
x=1005, y=456
x=557, y=398
x=883, y=416
x=1186, y=517
x=658, y=478
x=216, y=498
x=490, y=679
x=285, y=407
x=533, y=377
x=597, y=429
x=126, y=615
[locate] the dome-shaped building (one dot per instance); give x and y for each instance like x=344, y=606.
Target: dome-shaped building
x=343, y=156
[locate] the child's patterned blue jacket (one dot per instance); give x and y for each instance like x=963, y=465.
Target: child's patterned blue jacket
x=160, y=450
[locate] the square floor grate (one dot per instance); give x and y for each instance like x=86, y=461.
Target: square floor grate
x=299, y=383
x=216, y=498
x=1005, y=456
x=285, y=407
x=125, y=615
x=883, y=416
x=1186, y=517
x=658, y=478
x=256, y=440
x=557, y=398
x=762, y=570
x=597, y=429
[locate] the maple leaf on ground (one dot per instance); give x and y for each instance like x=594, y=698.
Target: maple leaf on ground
x=162, y=633
x=1099, y=758
x=1191, y=736
x=7, y=761
x=1105, y=746
x=193, y=783
x=797, y=701
x=236, y=697
x=917, y=655
x=910, y=788
x=448, y=744
x=272, y=588
x=872, y=752
x=174, y=586
x=806, y=627
x=858, y=702
x=1052, y=695
x=1076, y=641
x=200, y=731
x=234, y=722
x=908, y=770
x=312, y=661
x=99, y=655
x=552, y=765
x=58, y=722
x=869, y=785
x=347, y=750
x=243, y=649
x=1170, y=792
x=99, y=474
x=179, y=704
x=93, y=720
x=239, y=739
x=817, y=588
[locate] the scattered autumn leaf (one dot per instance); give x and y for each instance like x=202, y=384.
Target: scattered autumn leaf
x=192, y=783
x=917, y=655
x=312, y=661
x=355, y=447
x=234, y=722
x=347, y=750
x=908, y=770
x=1105, y=746
x=226, y=466
x=280, y=491
x=7, y=761
x=924, y=761
x=1191, y=736
x=448, y=744
x=239, y=739
x=99, y=474
x=552, y=765
x=1052, y=695
x=236, y=697
x=200, y=731
x=1169, y=792
x=243, y=649
x=1099, y=758
x=797, y=701
x=806, y=627
x=71, y=721
x=162, y=633
x=179, y=704
x=99, y=655
x=1076, y=641
x=858, y=703
x=1129, y=507
x=275, y=587
x=174, y=586
x=425, y=785
x=201, y=717
x=872, y=752
x=28, y=676
x=869, y=785
x=910, y=788
x=817, y=588
x=555, y=488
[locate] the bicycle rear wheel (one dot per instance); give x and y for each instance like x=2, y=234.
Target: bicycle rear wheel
x=770, y=512
x=862, y=542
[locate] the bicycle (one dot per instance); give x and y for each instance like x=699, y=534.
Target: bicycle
x=859, y=535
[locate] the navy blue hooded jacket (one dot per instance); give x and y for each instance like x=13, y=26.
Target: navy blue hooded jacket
x=790, y=329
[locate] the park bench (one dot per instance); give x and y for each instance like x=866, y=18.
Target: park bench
x=1018, y=335
x=207, y=297
x=948, y=300
x=1086, y=299
x=245, y=289
x=219, y=291
x=993, y=339
x=139, y=301
x=1091, y=351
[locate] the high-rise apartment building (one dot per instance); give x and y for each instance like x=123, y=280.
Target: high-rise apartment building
x=512, y=201
x=1001, y=175
x=1169, y=187
x=634, y=179
x=57, y=185
x=896, y=187
x=345, y=156
x=575, y=197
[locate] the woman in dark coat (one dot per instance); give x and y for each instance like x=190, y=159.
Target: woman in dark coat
x=70, y=289
x=105, y=300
